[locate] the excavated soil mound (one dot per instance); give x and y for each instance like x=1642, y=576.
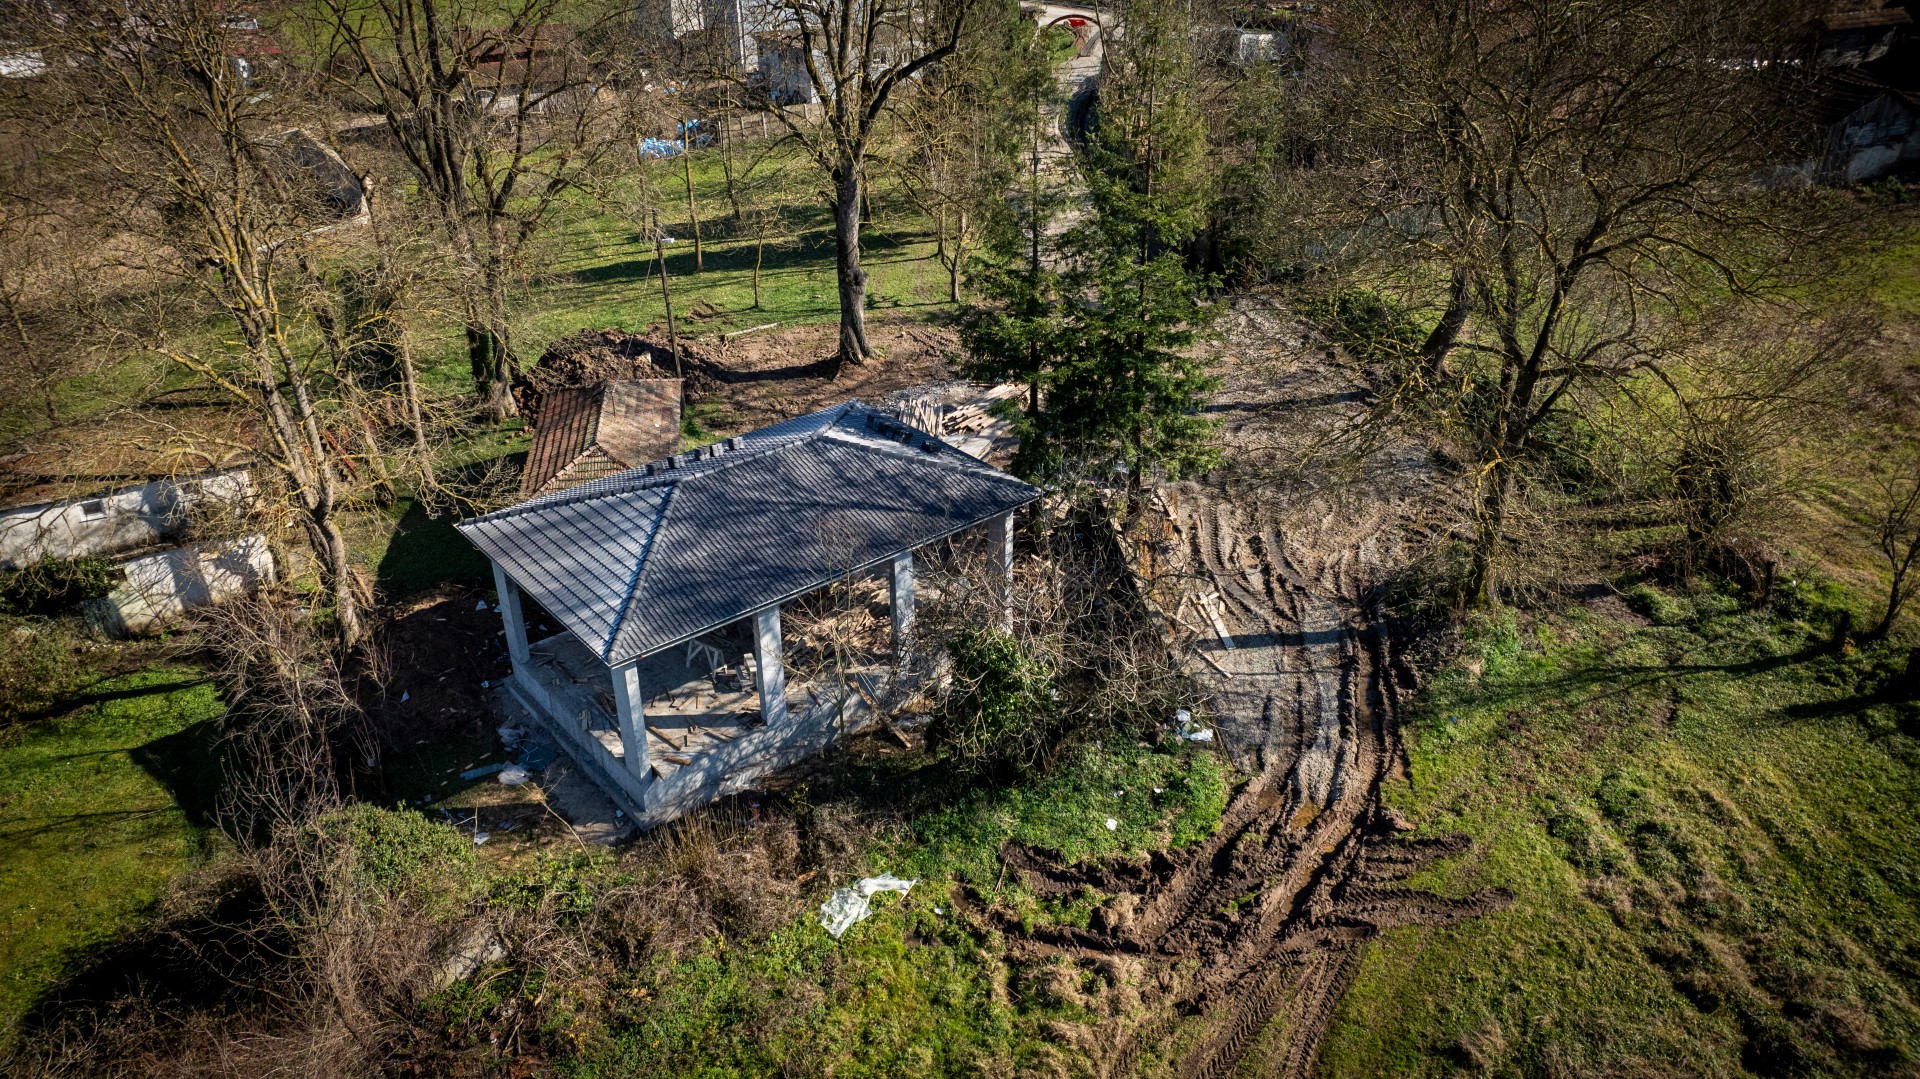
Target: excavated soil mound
x=587, y=357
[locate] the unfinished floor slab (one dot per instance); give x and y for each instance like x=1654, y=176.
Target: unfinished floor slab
x=670, y=679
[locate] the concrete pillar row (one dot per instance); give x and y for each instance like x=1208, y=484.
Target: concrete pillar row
x=1000, y=549
x=631, y=711
x=900, y=599
x=769, y=662
x=512, y=615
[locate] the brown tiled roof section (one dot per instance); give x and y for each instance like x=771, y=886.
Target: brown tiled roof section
x=590, y=431
x=640, y=420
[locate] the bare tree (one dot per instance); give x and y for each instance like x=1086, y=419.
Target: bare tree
x=856, y=54
x=196, y=181
x=1576, y=175
x=962, y=131
x=1896, y=523
x=498, y=112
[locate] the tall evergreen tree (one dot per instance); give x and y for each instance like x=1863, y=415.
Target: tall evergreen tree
x=1109, y=338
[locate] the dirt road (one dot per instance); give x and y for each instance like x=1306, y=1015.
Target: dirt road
x=1249, y=939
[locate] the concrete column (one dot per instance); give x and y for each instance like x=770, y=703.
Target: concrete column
x=901, y=601
x=633, y=718
x=1000, y=548
x=512, y=615
x=769, y=660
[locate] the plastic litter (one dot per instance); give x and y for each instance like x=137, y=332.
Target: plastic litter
x=937, y=910
x=1183, y=719
x=513, y=775
x=480, y=606
x=480, y=838
x=1159, y=790
x=405, y=696
x=849, y=905
x=1112, y=825
x=483, y=770
x=483, y=683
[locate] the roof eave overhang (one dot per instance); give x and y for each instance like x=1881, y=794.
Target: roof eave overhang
x=790, y=596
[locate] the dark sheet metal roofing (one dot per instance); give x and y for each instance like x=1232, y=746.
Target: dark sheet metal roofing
x=645, y=559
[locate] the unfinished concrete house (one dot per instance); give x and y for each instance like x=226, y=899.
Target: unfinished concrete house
x=594, y=431
x=667, y=679
x=120, y=520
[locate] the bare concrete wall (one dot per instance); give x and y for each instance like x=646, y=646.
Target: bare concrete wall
x=161, y=587
x=116, y=521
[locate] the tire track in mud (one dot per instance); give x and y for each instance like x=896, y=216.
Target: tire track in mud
x=1256, y=932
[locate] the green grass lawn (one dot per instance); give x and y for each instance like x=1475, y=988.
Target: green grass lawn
x=596, y=264
x=99, y=808
x=911, y=991
x=1711, y=840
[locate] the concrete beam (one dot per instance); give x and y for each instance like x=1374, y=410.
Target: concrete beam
x=1000, y=553
x=769, y=660
x=632, y=714
x=512, y=615
x=900, y=600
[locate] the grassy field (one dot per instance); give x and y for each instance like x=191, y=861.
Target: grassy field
x=1708, y=829
x=594, y=267
x=99, y=808
x=910, y=991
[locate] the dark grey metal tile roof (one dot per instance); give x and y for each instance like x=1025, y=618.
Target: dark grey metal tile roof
x=642, y=560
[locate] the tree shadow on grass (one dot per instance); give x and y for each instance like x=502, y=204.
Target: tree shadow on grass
x=425, y=552
x=187, y=763
x=197, y=964
x=67, y=706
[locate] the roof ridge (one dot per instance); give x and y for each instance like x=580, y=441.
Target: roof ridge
x=669, y=479
x=633, y=579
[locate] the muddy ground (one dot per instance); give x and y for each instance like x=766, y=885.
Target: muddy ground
x=760, y=378
x=1233, y=954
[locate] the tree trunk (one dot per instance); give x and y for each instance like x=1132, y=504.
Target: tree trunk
x=693, y=215
x=726, y=159
x=853, y=279
x=327, y=542
x=416, y=418
x=490, y=351
x=666, y=297
x=1489, y=522
x=1433, y=354
x=485, y=354
x=759, y=252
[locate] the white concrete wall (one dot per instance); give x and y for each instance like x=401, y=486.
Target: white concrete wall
x=161, y=587
x=116, y=521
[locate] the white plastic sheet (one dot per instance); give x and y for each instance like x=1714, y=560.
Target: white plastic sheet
x=849, y=905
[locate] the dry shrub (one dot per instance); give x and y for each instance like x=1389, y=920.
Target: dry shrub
x=714, y=876
x=1080, y=661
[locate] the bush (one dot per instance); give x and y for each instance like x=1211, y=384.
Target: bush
x=1658, y=607
x=1002, y=714
x=397, y=856
x=1373, y=326
x=37, y=668
x=55, y=583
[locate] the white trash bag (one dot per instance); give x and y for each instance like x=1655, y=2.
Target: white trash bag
x=849, y=905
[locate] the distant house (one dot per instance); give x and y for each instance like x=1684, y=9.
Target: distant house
x=593, y=431
x=117, y=520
